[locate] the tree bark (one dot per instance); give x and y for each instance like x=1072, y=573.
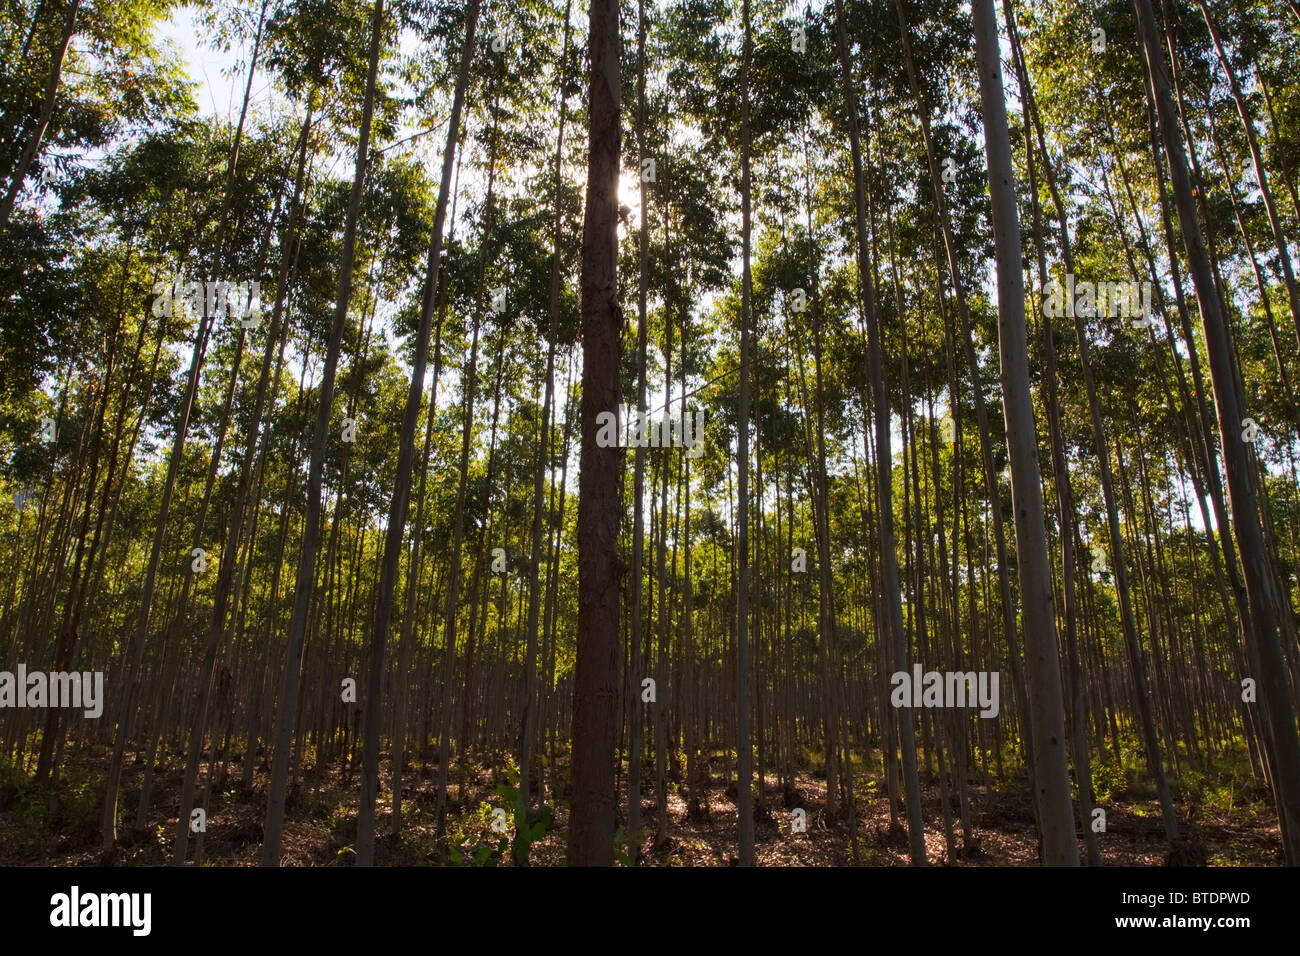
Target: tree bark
x=744, y=762
x=1046, y=704
x=591, y=824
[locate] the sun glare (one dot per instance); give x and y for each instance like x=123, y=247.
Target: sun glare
x=629, y=194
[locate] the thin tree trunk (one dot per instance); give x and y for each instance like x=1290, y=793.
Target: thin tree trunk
x=543, y=453
x=1046, y=704
x=744, y=769
x=884, y=457
x=306, y=579
x=19, y=172
x=405, y=461
x=1261, y=176
x=1274, y=689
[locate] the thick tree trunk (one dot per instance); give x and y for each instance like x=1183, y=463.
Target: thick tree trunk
x=591, y=825
x=1064, y=493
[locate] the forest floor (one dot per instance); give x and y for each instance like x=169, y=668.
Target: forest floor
x=321, y=823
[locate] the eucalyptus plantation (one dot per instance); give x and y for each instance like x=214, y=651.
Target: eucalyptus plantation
x=665, y=433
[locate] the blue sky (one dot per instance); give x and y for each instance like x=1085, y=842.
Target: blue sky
x=219, y=92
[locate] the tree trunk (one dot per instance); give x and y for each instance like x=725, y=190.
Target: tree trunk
x=405, y=461
x=19, y=172
x=744, y=768
x=884, y=457
x=1046, y=705
x=591, y=824
x=306, y=579
x=1274, y=689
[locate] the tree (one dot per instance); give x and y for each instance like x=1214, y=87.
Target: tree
x=893, y=611
x=1265, y=648
x=744, y=763
x=1046, y=702
x=306, y=579
x=591, y=827
x=405, y=460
